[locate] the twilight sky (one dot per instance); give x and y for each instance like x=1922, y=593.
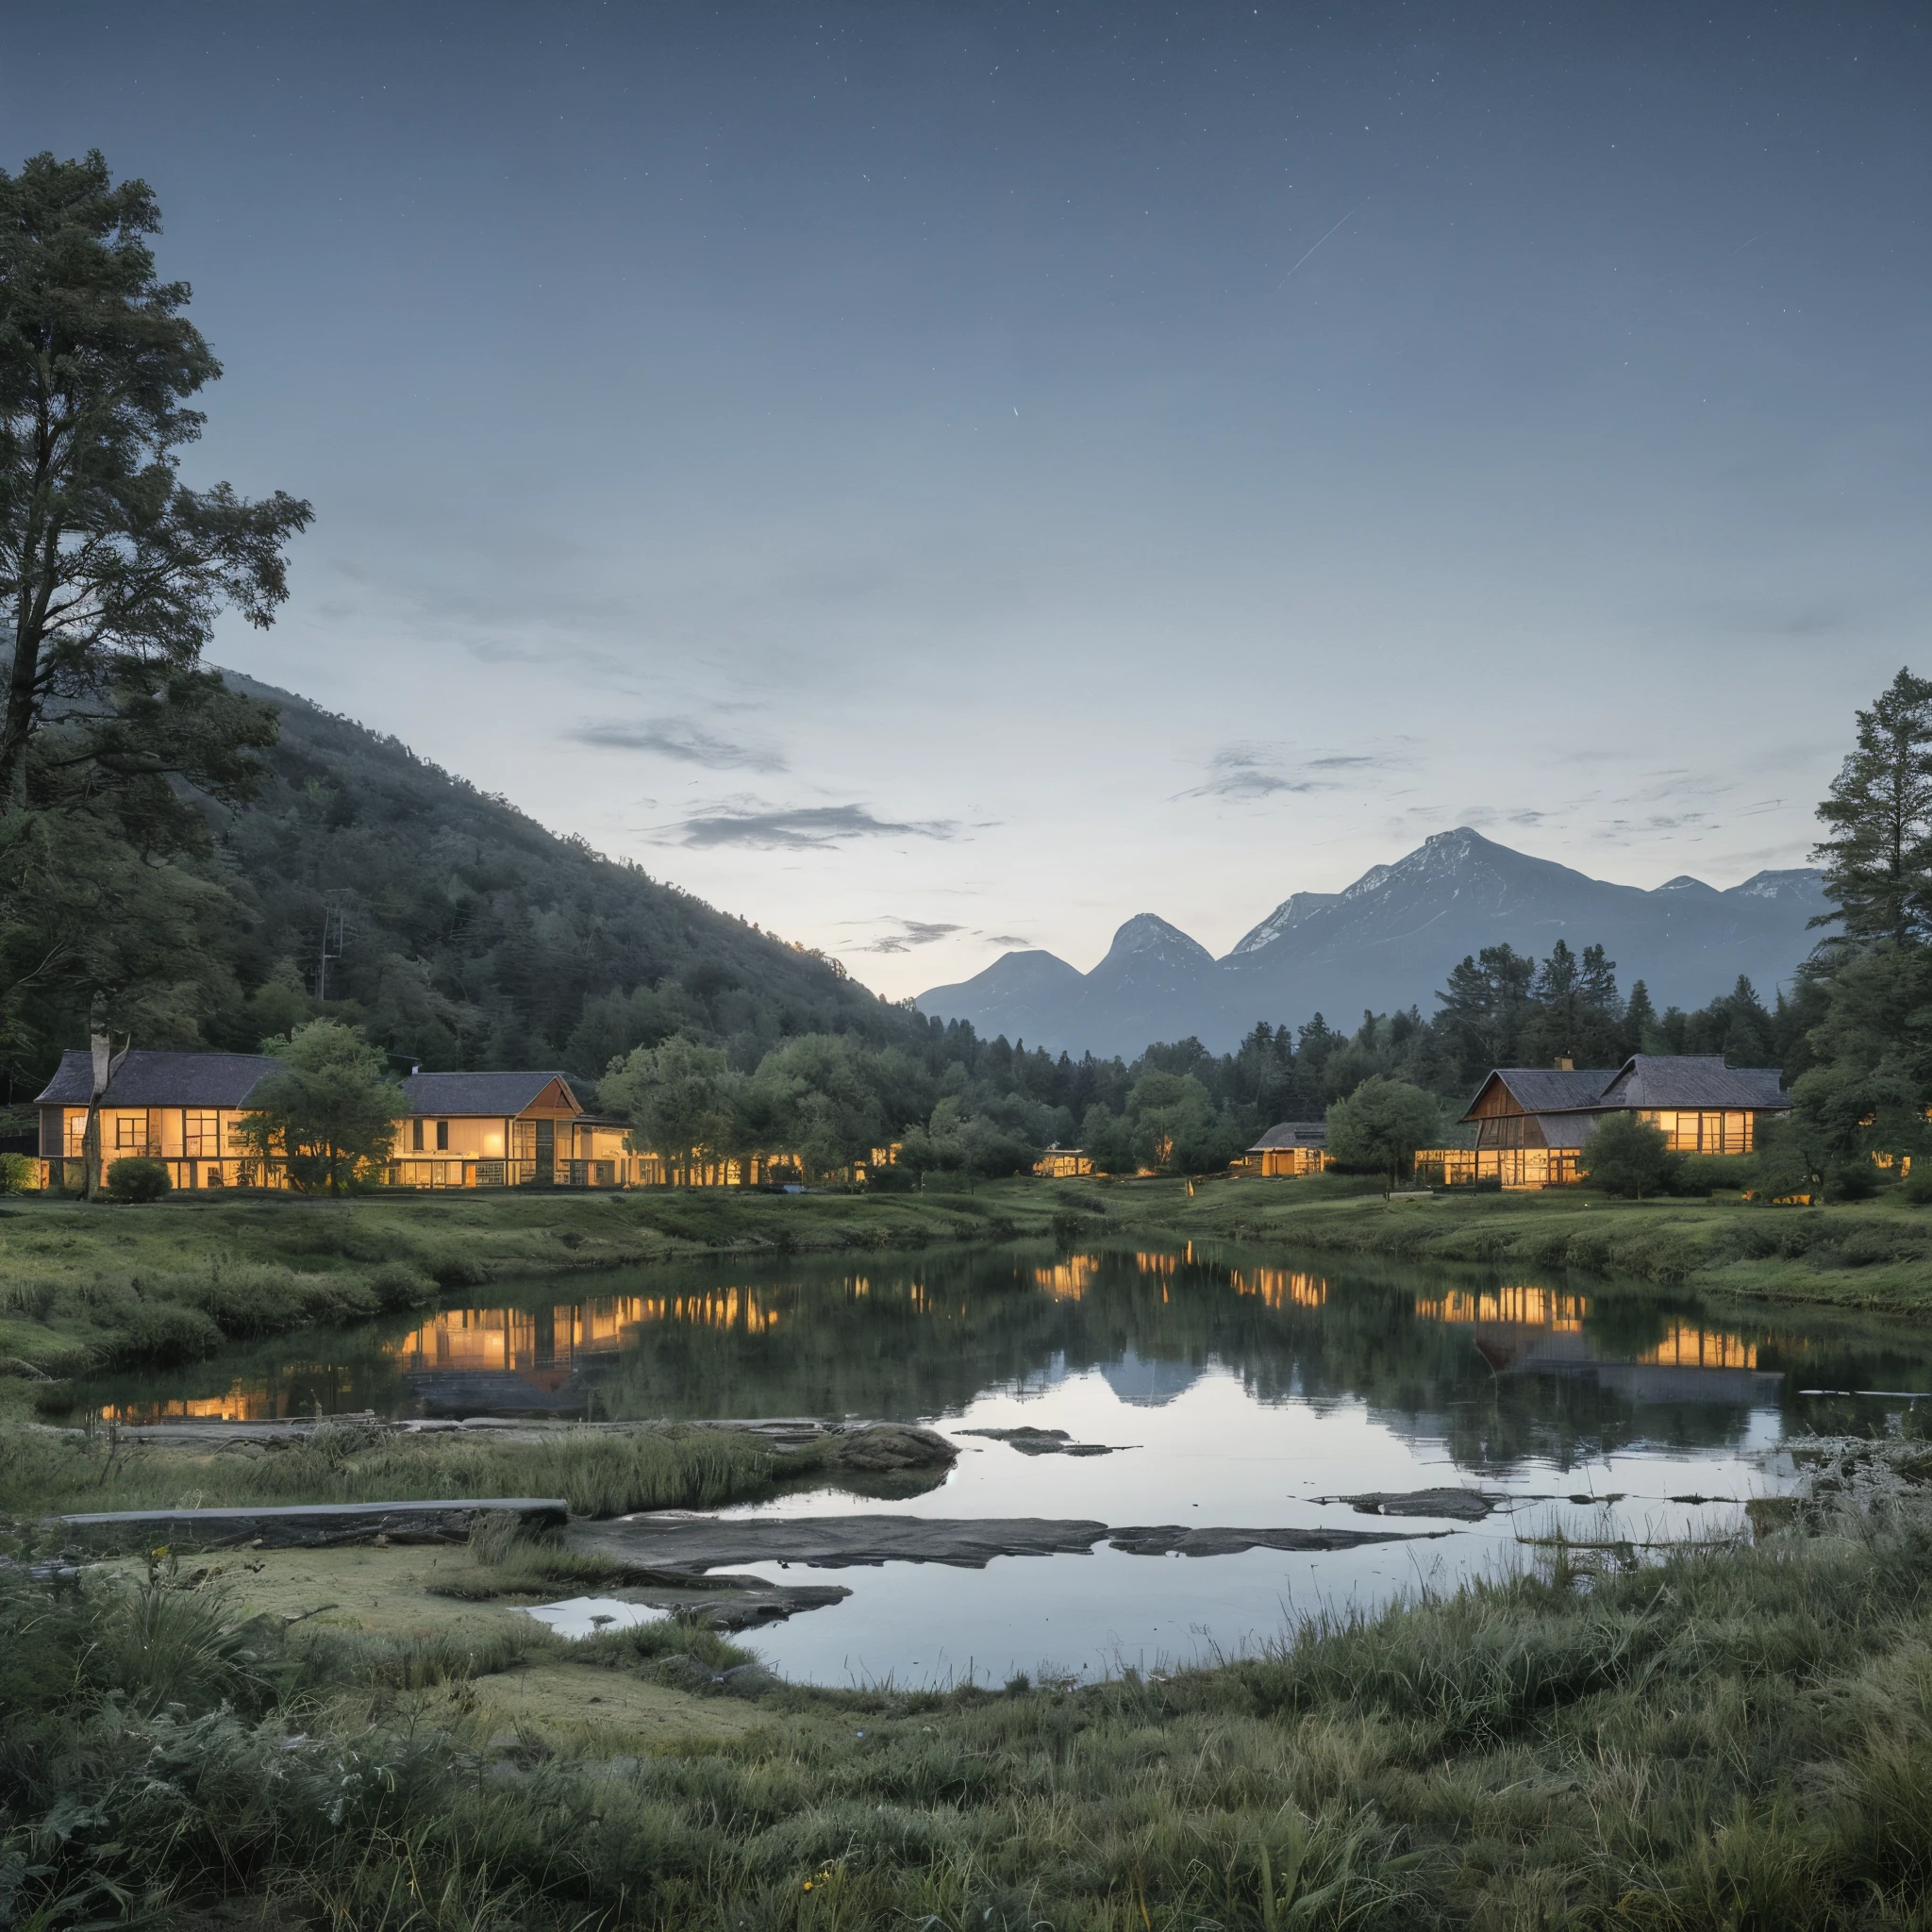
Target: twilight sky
x=938, y=477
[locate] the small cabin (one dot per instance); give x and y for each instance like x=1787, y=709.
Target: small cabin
x=1291, y=1148
x=1063, y=1164
x=1533, y=1124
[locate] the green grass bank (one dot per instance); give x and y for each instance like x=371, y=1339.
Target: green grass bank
x=1731, y=1739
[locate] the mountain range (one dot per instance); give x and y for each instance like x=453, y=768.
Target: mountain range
x=1386, y=942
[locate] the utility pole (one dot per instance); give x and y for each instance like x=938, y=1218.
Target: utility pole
x=334, y=928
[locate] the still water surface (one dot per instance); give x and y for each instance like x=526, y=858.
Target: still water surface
x=1236, y=1391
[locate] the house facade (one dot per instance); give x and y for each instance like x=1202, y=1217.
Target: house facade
x=1533, y=1124
x=1294, y=1147
x=184, y=1109
x=503, y=1130
x=1063, y=1164
x=458, y=1130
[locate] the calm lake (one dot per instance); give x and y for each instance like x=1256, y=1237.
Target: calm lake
x=1234, y=1391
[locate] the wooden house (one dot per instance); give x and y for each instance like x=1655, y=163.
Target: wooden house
x=1533, y=1124
x=502, y=1130
x=180, y=1109
x=458, y=1130
x=529, y=1129
x=1294, y=1147
x=1064, y=1164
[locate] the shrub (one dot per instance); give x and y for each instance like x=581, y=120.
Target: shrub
x=165, y=1334
x=400, y=1285
x=1710, y=1174
x=1627, y=1155
x=138, y=1178
x=20, y=1174
x=1856, y=1180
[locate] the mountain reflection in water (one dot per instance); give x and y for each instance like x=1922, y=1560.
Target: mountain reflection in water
x=1498, y=1372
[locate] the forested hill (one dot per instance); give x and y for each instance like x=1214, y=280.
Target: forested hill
x=472, y=936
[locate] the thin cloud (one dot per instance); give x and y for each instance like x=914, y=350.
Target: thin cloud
x=911, y=933
x=806, y=828
x=1258, y=771
x=678, y=738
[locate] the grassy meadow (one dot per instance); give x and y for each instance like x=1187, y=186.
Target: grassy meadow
x=1739, y=1737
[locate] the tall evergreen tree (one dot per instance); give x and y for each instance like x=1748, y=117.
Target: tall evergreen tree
x=112, y=569
x=1483, y=1008
x=1877, y=855
x=112, y=573
x=1640, y=1020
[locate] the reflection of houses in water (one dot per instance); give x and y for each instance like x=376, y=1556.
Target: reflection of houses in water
x=244, y=1402
x=1067, y=1280
x=1538, y=1331
x=530, y=1358
x=1281, y=1288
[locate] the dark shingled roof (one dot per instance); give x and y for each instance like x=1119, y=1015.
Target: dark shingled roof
x=1671, y=1081
x=162, y=1079
x=1292, y=1134
x=1644, y=1080
x=498, y=1093
x=1550, y=1090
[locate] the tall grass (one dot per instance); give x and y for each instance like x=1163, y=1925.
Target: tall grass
x=1739, y=1738
x=598, y=1473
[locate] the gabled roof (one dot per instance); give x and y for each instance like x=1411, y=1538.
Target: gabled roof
x=1547, y=1089
x=162, y=1079
x=1292, y=1134
x=484, y=1094
x=1665, y=1080
x=1644, y=1080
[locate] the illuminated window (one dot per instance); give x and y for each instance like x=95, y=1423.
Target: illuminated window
x=199, y=1134
x=129, y=1131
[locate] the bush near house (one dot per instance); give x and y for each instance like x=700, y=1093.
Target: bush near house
x=136, y=1179
x=1627, y=1155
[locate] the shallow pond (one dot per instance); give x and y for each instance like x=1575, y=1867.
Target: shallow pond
x=1233, y=1391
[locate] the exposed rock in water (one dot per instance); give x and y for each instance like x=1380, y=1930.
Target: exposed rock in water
x=686, y=1546
x=886, y=1448
x=1458, y=1506
x=689, y=1545
x=1046, y=1443
x=731, y=1603
x=1179, y=1540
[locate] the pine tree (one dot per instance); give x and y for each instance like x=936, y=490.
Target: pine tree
x=1877, y=855
x=1483, y=1007
x=1639, y=1018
